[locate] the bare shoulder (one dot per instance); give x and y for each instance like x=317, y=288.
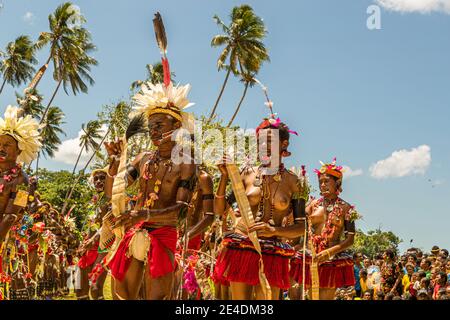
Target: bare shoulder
x=345, y=205
x=138, y=159
x=187, y=170
x=204, y=177
x=291, y=177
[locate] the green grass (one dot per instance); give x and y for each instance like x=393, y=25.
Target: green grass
x=106, y=291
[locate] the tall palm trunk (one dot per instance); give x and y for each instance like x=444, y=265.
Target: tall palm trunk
x=37, y=78
x=69, y=195
x=220, y=95
x=51, y=101
x=3, y=85
x=239, y=105
x=73, y=173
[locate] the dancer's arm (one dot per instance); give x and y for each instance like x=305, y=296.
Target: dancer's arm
x=207, y=189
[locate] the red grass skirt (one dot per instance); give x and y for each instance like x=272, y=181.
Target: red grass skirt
x=336, y=273
x=162, y=240
x=239, y=262
x=89, y=257
x=195, y=243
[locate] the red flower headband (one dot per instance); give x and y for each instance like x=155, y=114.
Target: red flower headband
x=331, y=169
x=272, y=122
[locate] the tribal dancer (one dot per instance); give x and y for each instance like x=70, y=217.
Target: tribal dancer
x=273, y=195
x=146, y=252
x=330, y=218
x=88, y=253
x=199, y=215
x=19, y=143
x=98, y=274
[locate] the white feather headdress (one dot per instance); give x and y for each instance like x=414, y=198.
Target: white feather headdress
x=157, y=98
x=24, y=130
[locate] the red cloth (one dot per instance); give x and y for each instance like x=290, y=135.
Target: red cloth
x=162, y=240
x=243, y=266
x=89, y=257
x=195, y=243
x=337, y=273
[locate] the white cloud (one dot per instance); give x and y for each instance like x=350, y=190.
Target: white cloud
x=69, y=149
x=28, y=17
x=349, y=172
x=421, y=6
x=403, y=163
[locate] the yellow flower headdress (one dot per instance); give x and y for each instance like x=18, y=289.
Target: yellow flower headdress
x=159, y=98
x=24, y=130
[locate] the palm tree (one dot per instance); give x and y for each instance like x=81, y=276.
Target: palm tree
x=249, y=81
x=155, y=74
x=243, y=44
x=50, y=133
x=31, y=103
x=60, y=37
x=17, y=65
x=72, y=66
x=87, y=142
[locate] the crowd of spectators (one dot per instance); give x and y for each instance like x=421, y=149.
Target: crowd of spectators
x=414, y=275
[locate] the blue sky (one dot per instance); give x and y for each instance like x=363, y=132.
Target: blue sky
x=351, y=92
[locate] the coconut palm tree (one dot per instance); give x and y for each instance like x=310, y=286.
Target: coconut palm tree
x=88, y=140
x=155, y=74
x=72, y=66
x=61, y=36
x=18, y=60
x=31, y=103
x=243, y=44
x=50, y=133
x=91, y=134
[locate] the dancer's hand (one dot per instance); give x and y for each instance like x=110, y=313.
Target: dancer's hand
x=114, y=148
x=322, y=256
x=223, y=166
x=263, y=229
x=128, y=220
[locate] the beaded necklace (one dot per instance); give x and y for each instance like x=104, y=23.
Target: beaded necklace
x=266, y=195
x=155, y=161
x=9, y=175
x=321, y=241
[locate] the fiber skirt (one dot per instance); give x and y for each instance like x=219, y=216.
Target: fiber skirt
x=336, y=273
x=239, y=262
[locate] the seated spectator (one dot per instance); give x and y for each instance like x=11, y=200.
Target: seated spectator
x=363, y=280
x=357, y=267
x=367, y=295
x=406, y=280
x=367, y=263
x=425, y=266
x=389, y=296
x=441, y=283
x=435, y=251
x=422, y=295
x=414, y=284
